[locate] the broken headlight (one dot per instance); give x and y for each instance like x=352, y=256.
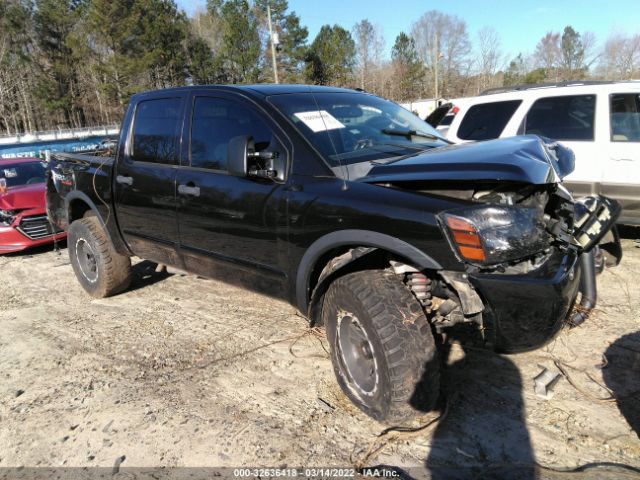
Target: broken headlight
x=490, y=235
x=6, y=217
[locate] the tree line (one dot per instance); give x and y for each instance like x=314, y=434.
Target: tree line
x=75, y=63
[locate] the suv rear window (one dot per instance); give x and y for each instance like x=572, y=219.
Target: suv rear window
x=487, y=120
x=625, y=117
x=562, y=118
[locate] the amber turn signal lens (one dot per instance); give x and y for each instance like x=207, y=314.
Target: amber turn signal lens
x=466, y=238
x=460, y=224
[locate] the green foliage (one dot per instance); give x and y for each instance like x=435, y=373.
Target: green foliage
x=292, y=49
x=515, y=72
x=408, y=68
x=241, y=46
x=54, y=21
x=539, y=75
x=572, y=54
x=331, y=56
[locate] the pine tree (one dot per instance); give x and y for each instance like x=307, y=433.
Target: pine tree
x=331, y=57
x=54, y=22
x=293, y=39
x=240, y=49
x=408, y=68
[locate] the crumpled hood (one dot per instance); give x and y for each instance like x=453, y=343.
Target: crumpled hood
x=23, y=197
x=528, y=159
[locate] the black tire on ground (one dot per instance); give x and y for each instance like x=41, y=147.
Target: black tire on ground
x=382, y=348
x=101, y=270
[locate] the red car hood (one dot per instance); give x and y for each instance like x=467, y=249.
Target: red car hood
x=23, y=197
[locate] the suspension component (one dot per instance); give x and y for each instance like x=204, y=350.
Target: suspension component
x=420, y=285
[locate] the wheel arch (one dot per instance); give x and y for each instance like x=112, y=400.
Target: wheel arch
x=78, y=204
x=330, y=255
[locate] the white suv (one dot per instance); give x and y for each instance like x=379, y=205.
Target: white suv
x=599, y=121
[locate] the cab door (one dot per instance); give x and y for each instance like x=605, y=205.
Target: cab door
x=621, y=175
x=228, y=223
x=145, y=179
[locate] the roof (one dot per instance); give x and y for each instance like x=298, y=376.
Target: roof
x=263, y=89
x=570, y=83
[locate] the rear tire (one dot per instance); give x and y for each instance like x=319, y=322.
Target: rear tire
x=382, y=348
x=101, y=270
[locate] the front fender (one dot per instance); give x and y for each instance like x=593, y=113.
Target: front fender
x=355, y=238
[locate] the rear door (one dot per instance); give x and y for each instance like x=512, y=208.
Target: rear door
x=145, y=179
x=621, y=177
x=224, y=220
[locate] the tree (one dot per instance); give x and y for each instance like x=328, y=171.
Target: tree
x=489, y=57
x=621, y=57
x=54, y=21
x=548, y=55
x=407, y=67
x=572, y=54
x=18, y=111
x=515, y=72
x=240, y=46
x=443, y=43
x=292, y=35
x=162, y=32
x=330, y=57
x=369, y=45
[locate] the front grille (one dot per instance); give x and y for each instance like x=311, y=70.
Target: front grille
x=37, y=227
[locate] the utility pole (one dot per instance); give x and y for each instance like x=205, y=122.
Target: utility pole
x=273, y=46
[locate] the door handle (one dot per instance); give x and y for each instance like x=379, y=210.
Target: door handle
x=124, y=180
x=189, y=190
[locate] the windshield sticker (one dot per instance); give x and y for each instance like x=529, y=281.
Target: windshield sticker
x=319, y=120
x=10, y=172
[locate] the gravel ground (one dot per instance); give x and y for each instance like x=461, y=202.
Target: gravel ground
x=186, y=372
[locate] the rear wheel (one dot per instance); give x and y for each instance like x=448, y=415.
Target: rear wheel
x=383, y=352
x=101, y=270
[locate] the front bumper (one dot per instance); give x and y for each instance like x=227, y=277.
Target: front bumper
x=523, y=312
x=12, y=240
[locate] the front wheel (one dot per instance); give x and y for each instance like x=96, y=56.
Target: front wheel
x=382, y=348
x=101, y=270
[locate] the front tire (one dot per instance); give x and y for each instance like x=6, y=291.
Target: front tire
x=382, y=348
x=101, y=270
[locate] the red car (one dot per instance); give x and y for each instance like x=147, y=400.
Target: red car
x=23, y=218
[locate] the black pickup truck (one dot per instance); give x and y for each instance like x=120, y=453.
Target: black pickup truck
x=351, y=208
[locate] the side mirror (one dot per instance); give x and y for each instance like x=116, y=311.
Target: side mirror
x=238, y=152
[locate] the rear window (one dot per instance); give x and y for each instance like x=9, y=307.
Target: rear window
x=562, y=118
x=625, y=117
x=155, y=130
x=487, y=120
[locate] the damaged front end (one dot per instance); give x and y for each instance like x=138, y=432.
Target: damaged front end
x=527, y=246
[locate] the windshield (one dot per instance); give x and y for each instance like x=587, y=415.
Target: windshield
x=18, y=174
x=349, y=128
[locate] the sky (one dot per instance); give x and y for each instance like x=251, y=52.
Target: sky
x=520, y=24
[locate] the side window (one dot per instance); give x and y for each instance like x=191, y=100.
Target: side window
x=487, y=120
x=624, y=111
x=215, y=121
x=562, y=118
x=156, y=131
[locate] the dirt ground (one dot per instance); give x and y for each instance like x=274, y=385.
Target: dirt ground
x=186, y=372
